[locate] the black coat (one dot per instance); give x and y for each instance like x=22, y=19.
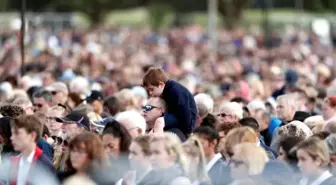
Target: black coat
x=181, y=105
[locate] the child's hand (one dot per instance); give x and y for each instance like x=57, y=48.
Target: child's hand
x=159, y=125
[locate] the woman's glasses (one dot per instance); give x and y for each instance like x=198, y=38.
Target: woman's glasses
x=60, y=141
x=222, y=115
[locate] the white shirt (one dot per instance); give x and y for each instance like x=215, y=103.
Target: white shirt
x=24, y=166
x=324, y=176
x=213, y=161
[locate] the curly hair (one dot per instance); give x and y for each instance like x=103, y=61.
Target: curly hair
x=12, y=111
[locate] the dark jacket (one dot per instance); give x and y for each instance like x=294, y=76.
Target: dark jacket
x=46, y=148
x=220, y=173
x=41, y=166
x=181, y=104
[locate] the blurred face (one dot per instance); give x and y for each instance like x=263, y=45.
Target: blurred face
x=21, y=139
x=59, y=97
x=224, y=117
x=284, y=112
x=282, y=154
x=97, y=106
x=159, y=156
x=29, y=109
x=328, y=111
x=40, y=105
x=52, y=124
x=78, y=158
x=307, y=164
x=208, y=147
x=111, y=145
x=155, y=91
x=152, y=111
x=137, y=158
x=70, y=130
x=333, y=160
x=239, y=169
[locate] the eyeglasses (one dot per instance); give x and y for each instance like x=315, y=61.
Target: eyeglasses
x=222, y=115
x=54, y=93
x=38, y=105
x=149, y=107
x=60, y=141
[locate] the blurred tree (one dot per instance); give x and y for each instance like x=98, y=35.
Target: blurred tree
x=313, y=5
x=232, y=11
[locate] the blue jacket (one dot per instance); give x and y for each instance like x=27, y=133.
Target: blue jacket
x=181, y=104
x=46, y=148
x=220, y=173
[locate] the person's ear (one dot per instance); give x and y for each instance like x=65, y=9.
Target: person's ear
x=46, y=136
x=33, y=135
x=139, y=130
x=161, y=84
x=213, y=143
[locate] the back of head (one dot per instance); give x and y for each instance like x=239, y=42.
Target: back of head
x=239, y=135
x=209, y=133
x=126, y=99
x=22, y=101
x=250, y=122
x=202, y=110
x=210, y=120
x=154, y=76
x=132, y=118
x=113, y=105
x=5, y=132
x=11, y=111
x=206, y=100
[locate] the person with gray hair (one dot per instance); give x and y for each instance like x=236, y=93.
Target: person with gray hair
x=203, y=112
x=206, y=100
x=24, y=103
x=42, y=101
x=331, y=144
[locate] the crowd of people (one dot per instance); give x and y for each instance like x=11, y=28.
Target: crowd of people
x=134, y=107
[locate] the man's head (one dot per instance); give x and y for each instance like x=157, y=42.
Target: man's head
x=209, y=138
x=154, y=81
x=202, y=113
x=250, y=122
x=287, y=106
x=26, y=131
x=133, y=121
x=42, y=101
x=96, y=100
x=60, y=92
x=74, y=123
x=206, y=100
x=154, y=109
x=24, y=103
x=112, y=105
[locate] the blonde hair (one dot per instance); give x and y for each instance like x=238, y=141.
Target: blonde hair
x=237, y=136
x=253, y=156
x=126, y=99
x=58, y=109
x=193, y=147
x=316, y=149
x=173, y=147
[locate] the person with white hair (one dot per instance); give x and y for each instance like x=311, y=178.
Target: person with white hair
x=140, y=96
x=24, y=103
x=286, y=107
x=230, y=112
x=81, y=86
x=331, y=144
x=133, y=121
x=256, y=106
x=60, y=92
x=206, y=100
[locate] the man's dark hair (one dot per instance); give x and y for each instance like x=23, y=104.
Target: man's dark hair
x=32, y=90
x=239, y=100
x=250, y=122
x=46, y=95
x=210, y=121
x=118, y=130
x=45, y=131
x=113, y=105
x=12, y=111
x=209, y=133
